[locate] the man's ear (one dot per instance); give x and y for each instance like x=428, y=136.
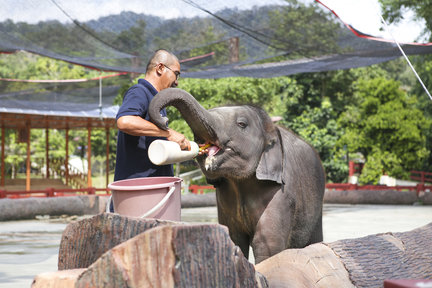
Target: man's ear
x=159, y=68
x=270, y=165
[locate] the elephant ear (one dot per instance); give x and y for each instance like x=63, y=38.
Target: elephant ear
x=270, y=166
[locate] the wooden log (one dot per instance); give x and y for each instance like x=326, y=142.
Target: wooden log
x=59, y=279
x=200, y=255
x=313, y=266
x=379, y=197
x=372, y=259
x=198, y=200
x=29, y=208
x=361, y=262
x=426, y=198
x=84, y=241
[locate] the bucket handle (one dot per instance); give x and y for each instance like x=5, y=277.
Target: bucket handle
x=151, y=211
x=160, y=204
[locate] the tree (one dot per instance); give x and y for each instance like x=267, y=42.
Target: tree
x=319, y=128
x=393, y=12
x=303, y=30
x=387, y=128
x=133, y=40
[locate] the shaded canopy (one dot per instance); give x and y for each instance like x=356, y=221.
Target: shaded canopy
x=223, y=39
x=69, y=106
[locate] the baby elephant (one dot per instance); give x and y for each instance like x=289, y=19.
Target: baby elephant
x=269, y=182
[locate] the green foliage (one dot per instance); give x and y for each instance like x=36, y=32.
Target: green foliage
x=131, y=40
x=298, y=28
x=319, y=128
x=386, y=128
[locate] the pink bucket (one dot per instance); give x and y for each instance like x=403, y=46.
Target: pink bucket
x=151, y=197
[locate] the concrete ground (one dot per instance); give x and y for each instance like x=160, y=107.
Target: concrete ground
x=28, y=248
x=342, y=221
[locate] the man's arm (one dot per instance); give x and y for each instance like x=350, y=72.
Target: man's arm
x=137, y=126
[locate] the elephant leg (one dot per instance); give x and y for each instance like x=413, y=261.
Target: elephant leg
x=239, y=238
x=317, y=233
x=271, y=237
x=242, y=240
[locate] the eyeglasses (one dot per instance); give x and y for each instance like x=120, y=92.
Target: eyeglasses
x=177, y=73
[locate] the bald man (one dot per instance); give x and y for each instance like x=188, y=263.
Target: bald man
x=136, y=132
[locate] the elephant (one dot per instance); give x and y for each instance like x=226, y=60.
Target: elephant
x=269, y=182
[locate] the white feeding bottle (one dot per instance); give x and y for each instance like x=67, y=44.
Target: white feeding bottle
x=163, y=152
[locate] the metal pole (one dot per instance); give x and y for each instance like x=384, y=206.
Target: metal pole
x=100, y=95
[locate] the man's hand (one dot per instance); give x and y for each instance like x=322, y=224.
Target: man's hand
x=179, y=139
x=137, y=126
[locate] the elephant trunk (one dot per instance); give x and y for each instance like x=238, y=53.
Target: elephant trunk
x=198, y=118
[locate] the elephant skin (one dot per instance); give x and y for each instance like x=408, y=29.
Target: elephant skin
x=269, y=183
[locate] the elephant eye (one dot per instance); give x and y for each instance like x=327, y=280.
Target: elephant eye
x=242, y=123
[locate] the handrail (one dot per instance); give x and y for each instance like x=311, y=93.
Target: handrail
x=198, y=189
x=54, y=192
x=421, y=176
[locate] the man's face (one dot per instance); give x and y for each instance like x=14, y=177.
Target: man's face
x=170, y=75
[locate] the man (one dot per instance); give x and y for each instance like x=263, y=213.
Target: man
x=136, y=132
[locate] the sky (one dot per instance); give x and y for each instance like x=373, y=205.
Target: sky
x=361, y=14
x=365, y=16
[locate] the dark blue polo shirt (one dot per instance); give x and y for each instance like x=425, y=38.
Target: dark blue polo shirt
x=132, y=159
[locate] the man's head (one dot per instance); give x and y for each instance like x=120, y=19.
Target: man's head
x=163, y=70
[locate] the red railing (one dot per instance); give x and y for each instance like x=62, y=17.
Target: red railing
x=53, y=192
x=346, y=186
x=196, y=189
x=421, y=176
x=200, y=189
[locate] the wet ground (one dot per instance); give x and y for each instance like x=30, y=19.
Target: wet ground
x=28, y=248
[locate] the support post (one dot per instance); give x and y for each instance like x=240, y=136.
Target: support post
x=107, y=156
x=89, y=179
x=28, y=163
x=67, y=157
x=2, y=180
x=47, y=152
x=234, y=50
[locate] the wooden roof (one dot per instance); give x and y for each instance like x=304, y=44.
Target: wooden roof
x=37, y=121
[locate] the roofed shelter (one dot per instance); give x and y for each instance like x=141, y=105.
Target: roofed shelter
x=53, y=110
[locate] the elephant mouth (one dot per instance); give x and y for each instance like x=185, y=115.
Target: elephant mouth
x=213, y=150
x=214, y=156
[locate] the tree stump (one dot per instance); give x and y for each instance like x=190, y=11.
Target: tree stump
x=83, y=242
x=200, y=255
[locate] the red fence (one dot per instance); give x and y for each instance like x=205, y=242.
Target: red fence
x=196, y=189
x=421, y=176
x=53, y=192
x=200, y=189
